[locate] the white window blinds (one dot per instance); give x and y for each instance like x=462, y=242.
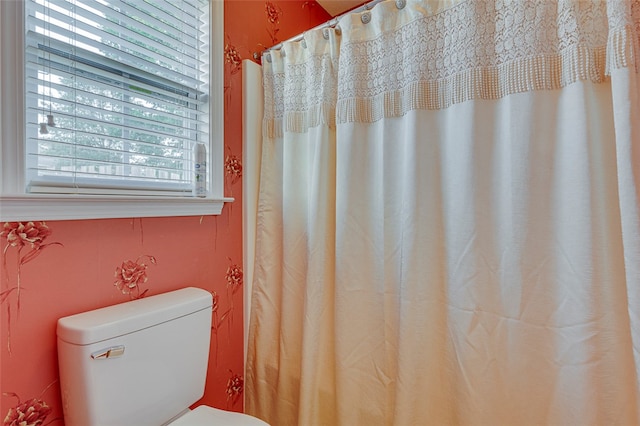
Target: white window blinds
x=116, y=95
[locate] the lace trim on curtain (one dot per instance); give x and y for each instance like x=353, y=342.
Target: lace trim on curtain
x=522, y=75
x=477, y=49
x=300, y=121
x=300, y=93
x=482, y=50
x=623, y=47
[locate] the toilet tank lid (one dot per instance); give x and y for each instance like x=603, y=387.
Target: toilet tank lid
x=117, y=320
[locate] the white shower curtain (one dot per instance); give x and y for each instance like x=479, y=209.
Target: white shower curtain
x=448, y=222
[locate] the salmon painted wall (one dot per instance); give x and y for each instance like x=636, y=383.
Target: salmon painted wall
x=66, y=267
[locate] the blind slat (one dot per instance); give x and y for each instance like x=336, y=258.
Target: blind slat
x=179, y=18
x=108, y=189
x=81, y=46
x=63, y=67
x=102, y=16
x=166, y=25
x=184, y=153
x=136, y=112
x=109, y=145
x=111, y=165
x=97, y=126
x=105, y=32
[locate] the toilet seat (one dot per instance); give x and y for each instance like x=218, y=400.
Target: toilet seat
x=204, y=415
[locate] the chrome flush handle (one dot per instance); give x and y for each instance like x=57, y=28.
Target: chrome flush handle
x=112, y=352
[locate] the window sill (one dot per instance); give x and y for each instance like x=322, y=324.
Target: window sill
x=66, y=207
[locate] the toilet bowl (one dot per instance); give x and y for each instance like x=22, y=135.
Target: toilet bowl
x=142, y=363
x=204, y=415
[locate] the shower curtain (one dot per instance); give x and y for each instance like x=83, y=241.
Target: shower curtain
x=448, y=229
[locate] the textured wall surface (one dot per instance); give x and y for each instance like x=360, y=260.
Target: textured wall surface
x=54, y=269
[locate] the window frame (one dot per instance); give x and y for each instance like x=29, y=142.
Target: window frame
x=18, y=205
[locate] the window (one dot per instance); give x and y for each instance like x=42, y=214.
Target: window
x=114, y=96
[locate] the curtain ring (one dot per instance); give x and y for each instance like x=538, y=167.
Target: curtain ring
x=400, y=4
x=304, y=43
x=366, y=17
x=325, y=33
x=268, y=56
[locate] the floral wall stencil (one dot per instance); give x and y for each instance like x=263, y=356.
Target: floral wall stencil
x=273, y=13
x=29, y=413
x=232, y=170
x=32, y=412
x=67, y=267
x=130, y=275
x=234, y=279
x=235, y=387
x=232, y=58
x=28, y=236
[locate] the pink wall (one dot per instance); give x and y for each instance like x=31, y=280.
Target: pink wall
x=65, y=267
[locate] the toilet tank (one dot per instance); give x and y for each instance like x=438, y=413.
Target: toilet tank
x=137, y=363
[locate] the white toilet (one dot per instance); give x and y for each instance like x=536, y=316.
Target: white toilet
x=140, y=363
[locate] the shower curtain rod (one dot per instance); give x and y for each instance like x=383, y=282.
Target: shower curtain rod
x=330, y=23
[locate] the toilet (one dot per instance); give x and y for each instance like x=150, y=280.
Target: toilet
x=142, y=363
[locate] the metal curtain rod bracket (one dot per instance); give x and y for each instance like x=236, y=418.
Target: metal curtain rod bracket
x=333, y=22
